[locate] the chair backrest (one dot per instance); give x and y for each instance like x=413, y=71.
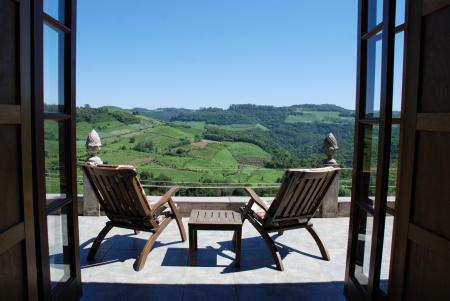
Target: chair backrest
x=120, y=193
x=301, y=194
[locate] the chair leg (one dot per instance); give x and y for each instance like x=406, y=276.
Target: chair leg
x=319, y=243
x=140, y=262
x=181, y=228
x=280, y=233
x=136, y=232
x=177, y=216
x=237, y=247
x=273, y=249
x=98, y=241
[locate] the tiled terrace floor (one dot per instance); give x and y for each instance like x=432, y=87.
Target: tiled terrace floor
x=167, y=276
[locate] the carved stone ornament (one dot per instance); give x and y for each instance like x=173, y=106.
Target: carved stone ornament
x=93, y=146
x=329, y=148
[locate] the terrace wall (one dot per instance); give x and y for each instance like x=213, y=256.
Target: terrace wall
x=186, y=204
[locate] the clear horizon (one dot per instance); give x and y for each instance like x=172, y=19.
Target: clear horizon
x=156, y=54
x=224, y=108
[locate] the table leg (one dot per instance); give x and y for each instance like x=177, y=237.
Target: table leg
x=238, y=234
x=195, y=240
x=191, y=246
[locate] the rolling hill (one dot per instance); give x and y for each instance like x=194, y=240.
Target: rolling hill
x=211, y=147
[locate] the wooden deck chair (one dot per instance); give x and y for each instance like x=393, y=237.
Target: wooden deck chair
x=123, y=199
x=298, y=199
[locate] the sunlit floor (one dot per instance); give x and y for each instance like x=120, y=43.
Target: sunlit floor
x=167, y=276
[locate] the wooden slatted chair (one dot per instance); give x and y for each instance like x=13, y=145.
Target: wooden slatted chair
x=298, y=199
x=123, y=199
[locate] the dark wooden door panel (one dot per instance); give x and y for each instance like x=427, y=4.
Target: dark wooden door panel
x=421, y=265
x=422, y=278
x=13, y=282
x=10, y=204
x=18, y=274
x=435, y=87
x=432, y=182
x=9, y=14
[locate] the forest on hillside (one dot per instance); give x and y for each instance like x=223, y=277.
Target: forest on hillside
x=212, y=151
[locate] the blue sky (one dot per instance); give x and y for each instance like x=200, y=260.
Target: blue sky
x=199, y=53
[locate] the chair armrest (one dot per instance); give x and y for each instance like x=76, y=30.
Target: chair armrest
x=165, y=198
x=256, y=199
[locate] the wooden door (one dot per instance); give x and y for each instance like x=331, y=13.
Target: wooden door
x=421, y=265
x=54, y=152
x=18, y=273
x=377, y=126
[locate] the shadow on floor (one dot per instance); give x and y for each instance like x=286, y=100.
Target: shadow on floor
x=255, y=253
x=261, y=292
x=125, y=242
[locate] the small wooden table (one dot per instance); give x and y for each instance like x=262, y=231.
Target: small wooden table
x=215, y=220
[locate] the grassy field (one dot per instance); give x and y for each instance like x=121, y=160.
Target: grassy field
x=178, y=155
x=169, y=152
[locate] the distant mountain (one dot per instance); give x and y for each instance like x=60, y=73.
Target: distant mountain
x=294, y=134
x=164, y=114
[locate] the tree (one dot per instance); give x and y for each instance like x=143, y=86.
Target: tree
x=145, y=175
x=144, y=146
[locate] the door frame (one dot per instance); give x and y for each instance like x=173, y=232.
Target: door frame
x=386, y=29
x=70, y=290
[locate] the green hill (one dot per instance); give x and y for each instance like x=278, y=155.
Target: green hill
x=242, y=145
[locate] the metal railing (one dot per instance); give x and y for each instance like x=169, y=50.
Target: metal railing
x=52, y=179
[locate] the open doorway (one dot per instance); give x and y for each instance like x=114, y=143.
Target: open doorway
x=196, y=59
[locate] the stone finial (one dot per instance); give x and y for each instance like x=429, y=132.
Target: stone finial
x=329, y=148
x=93, y=146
